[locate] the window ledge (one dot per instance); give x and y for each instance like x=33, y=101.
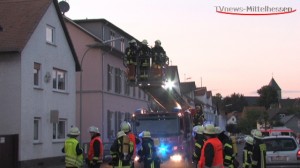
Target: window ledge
x=38, y=88
x=37, y=142
x=61, y=91
x=58, y=140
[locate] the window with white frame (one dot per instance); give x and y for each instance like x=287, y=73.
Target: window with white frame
x=59, y=79
x=36, y=129
x=112, y=36
x=59, y=129
x=37, y=74
x=50, y=34
x=122, y=45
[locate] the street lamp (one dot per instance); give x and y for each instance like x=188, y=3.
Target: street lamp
x=90, y=46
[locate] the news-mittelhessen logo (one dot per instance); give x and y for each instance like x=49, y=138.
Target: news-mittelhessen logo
x=254, y=10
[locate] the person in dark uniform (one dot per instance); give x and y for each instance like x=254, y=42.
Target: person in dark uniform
x=144, y=57
x=121, y=151
x=147, y=153
x=247, y=152
x=199, y=142
x=198, y=117
x=259, y=151
x=227, y=148
x=131, y=54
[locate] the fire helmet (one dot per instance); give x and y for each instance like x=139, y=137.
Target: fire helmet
x=145, y=42
x=198, y=129
x=125, y=126
x=210, y=129
x=74, y=131
x=93, y=129
x=157, y=42
x=146, y=134
x=249, y=140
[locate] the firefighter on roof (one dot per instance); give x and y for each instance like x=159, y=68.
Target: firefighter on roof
x=131, y=59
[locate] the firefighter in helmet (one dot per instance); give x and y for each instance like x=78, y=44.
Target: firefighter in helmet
x=228, y=152
x=159, y=54
x=259, y=150
x=147, y=153
x=95, y=153
x=198, y=117
x=131, y=59
x=199, y=141
x=126, y=127
x=247, y=152
x=73, y=151
x=121, y=151
x=212, y=151
x=144, y=56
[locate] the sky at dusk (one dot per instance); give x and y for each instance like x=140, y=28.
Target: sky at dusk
x=224, y=52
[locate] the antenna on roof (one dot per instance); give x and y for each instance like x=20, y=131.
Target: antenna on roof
x=64, y=6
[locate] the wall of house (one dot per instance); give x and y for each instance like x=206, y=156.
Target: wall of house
x=10, y=90
x=97, y=100
x=38, y=102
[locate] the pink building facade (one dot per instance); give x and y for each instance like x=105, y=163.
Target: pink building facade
x=104, y=99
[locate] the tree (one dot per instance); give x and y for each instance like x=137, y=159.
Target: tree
x=267, y=96
x=248, y=123
x=236, y=102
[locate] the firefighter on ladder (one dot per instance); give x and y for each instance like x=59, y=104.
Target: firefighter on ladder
x=131, y=60
x=144, y=57
x=159, y=58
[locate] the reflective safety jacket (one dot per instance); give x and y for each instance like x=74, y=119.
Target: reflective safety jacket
x=198, y=147
x=247, y=156
x=95, y=154
x=72, y=159
x=259, y=154
x=217, y=150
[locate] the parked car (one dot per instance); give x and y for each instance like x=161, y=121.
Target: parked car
x=282, y=151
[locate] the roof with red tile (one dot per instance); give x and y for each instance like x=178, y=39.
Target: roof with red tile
x=19, y=19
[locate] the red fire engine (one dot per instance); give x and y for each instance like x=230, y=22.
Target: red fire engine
x=170, y=127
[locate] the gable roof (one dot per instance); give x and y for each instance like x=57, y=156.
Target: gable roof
x=19, y=20
x=200, y=91
x=274, y=84
x=186, y=87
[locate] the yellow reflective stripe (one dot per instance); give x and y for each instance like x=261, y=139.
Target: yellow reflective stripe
x=198, y=145
x=228, y=145
x=228, y=157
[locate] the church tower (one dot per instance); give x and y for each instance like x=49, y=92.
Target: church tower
x=274, y=84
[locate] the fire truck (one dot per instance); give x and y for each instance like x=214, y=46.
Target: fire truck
x=171, y=123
